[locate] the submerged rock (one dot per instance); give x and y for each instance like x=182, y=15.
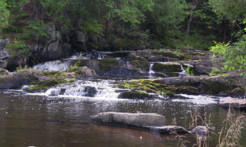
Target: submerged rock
x=171, y=130
x=200, y=131
x=139, y=120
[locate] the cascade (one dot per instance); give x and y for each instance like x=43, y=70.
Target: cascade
x=183, y=72
x=103, y=89
x=151, y=71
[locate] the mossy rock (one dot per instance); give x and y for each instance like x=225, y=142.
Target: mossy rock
x=161, y=67
x=80, y=63
x=214, y=87
x=187, y=90
x=135, y=95
x=76, y=69
x=43, y=85
x=140, y=64
x=150, y=86
x=119, y=54
x=171, y=54
x=107, y=63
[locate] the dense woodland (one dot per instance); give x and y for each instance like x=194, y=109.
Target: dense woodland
x=218, y=25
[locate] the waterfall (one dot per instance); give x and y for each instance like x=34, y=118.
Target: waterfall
x=151, y=71
x=100, y=89
x=183, y=72
x=63, y=65
x=57, y=65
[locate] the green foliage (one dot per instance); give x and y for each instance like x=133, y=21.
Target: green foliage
x=189, y=71
x=18, y=48
x=93, y=27
x=38, y=28
x=230, y=9
x=4, y=14
x=234, y=55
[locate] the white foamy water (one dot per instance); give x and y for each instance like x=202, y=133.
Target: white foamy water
x=103, y=89
x=151, y=71
x=57, y=65
x=197, y=99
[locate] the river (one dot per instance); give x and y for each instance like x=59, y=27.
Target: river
x=43, y=121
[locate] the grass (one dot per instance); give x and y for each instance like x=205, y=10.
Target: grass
x=231, y=132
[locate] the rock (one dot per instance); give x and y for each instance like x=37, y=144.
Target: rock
x=233, y=102
x=201, y=133
x=135, y=95
x=171, y=130
x=81, y=37
x=171, y=69
x=3, y=71
x=89, y=91
x=52, y=92
x=3, y=43
x=4, y=55
x=17, y=80
x=15, y=62
x=88, y=72
x=205, y=84
x=139, y=120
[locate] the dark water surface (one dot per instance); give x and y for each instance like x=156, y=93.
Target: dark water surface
x=62, y=122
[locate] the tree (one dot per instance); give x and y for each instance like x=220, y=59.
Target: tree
x=4, y=14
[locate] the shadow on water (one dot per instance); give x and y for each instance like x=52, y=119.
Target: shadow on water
x=57, y=122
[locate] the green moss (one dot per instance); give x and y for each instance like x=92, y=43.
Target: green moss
x=43, y=85
x=52, y=78
x=80, y=63
x=76, y=69
x=167, y=53
x=151, y=86
x=107, y=63
x=140, y=64
x=166, y=67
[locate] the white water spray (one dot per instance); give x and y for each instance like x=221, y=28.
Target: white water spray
x=151, y=71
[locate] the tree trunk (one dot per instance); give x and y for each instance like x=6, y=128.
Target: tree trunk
x=195, y=3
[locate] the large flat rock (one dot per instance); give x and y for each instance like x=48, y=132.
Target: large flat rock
x=233, y=102
x=139, y=120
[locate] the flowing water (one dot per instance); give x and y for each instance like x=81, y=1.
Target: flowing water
x=60, y=116
x=42, y=121
x=151, y=71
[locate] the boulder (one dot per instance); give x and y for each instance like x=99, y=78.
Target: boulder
x=17, y=80
x=3, y=43
x=139, y=120
x=89, y=91
x=233, y=102
x=4, y=55
x=169, y=130
x=135, y=95
x=88, y=72
x=216, y=85
x=171, y=69
x=52, y=92
x=201, y=133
